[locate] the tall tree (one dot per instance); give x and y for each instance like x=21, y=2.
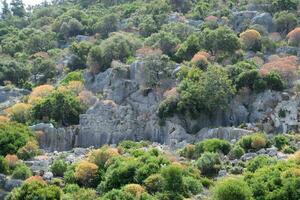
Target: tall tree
x=5, y=9
x=17, y=7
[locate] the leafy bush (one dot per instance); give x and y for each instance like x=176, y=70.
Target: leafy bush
x=285, y=21
x=280, y=141
x=13, y=71
x=106, y=25
x=101, y=156
x=294, y=37
x=251, y=40
x=274, y=81
x=43, y=70
x=209, y=163
x=272, y=181
x=192, y=186
x=255, y=141
x=236, y=152
x=188, y=151
x=21, y=172
x=13, y=136
x=61, y=107
x=86, y=173
x=279, y=5
x=40, y=92
x=233, y=189
x=194, y=91
x=118, y=195
x=19, y=112
x=213, y=145
x=173, y=176
x=164, y=41
x=258, y=141
x=155, y=183
x=12, y=160
x=69, y=175
x=35, y=189
x=118, y=46
x=259, y=162
x=28, y=151
x=118, y=175
x=58, y=168
x=3, y=165
x=72, y=76
x=220, y=40
x=134, y=189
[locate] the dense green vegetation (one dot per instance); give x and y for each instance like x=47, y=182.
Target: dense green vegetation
x=51, y=48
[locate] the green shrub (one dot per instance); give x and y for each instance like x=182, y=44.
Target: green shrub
x=273, y=180
x=195, y=95
x=117, y=176
x=209, y=163
x=119, y=46
x=69, y=175
x=192, y=186
x=72, y=76
x=212, y=145
x=106, y=25
x=188, y=151
x=285, y=21
x=233, y=189
x=258, y=141
x=280, y=141
x=155, y=183
x=289, y=149
x=164, y=41
x=236, y=152
x=255, y=141
x=35, y=190
x=274, y=81
x=259, y=162
x=58, y=168
x=173, y=176
x=3, y=165
x=21, y=172
x=62, y=107
x=117, y=195
x=13, y=136
x=28, y=151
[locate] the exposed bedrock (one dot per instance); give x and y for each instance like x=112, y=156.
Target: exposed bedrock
x=127, y=110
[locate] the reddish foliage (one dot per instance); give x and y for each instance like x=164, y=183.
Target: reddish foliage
x=147, y=51
x=11, y=160
x=294, y=37
x=35, y=179
x=286, y=66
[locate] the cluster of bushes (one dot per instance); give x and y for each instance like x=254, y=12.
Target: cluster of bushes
x=195, y=92
x=61, y=105
x=142, y=174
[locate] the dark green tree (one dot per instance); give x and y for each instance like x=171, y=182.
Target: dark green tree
x=5, y=10
x=61, y=107
x=17, y=8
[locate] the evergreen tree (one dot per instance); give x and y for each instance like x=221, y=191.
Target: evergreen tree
x=5, y=10
x=17, y=7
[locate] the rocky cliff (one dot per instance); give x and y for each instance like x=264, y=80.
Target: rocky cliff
x=127, y=110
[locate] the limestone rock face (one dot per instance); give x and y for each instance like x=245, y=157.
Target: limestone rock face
x=55, y=139
x=265, y=20
x=240, y=19
x=10, y=96
x=127, y=110
x=12, y=183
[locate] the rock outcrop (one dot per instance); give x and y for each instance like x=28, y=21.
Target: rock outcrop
x=127, y=110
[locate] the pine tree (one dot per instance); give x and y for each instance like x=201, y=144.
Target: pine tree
x=17, y=8
x=5, y=10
